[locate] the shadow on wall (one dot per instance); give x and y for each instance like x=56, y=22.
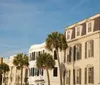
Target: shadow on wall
x=63, y=71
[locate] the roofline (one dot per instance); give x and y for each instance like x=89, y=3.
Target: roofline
x=82, y=21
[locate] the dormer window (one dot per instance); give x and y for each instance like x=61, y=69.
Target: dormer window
x=89, y=27
x=68, y=35
x=78, y=31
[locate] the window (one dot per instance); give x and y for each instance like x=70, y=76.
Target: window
x=78, y=76
x=43, y=51
x=68, y=77
x=39, y=53
x=33, y=56
x=89, y=27
x=32, y=71
x=55, y=72
x=41, y=72
x=89, y=49
x=55, y=55
x=69, y=54
x=77, y=52
x=36, y=72
x=68, y=35
x=78, y=31
x=91, y=75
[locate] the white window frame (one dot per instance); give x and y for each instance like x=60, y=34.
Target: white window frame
x=87, y=26
x=76, y=29
x=69, y=34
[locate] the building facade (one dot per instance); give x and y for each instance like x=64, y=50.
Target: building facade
x=13, y=77
x=83, y=53
x=1, y=60
x=39, y=77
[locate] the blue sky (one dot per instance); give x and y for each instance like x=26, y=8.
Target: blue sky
x=27, y=22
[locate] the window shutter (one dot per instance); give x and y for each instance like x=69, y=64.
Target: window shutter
x=74, y=53
x=80, y=51
x=73, y=76
x=93, y=74
x=69, y=76
x=92, y=48
x=79, y=76
x=85, y=49
x=85, y=76
x=70, y=50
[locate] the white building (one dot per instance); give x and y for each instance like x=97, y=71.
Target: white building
x=37, y=77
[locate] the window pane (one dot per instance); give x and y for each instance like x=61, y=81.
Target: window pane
x=91, y=75
x=78, y=31
x=89, y=27
x=55, y=72
x=68, y=35
x=55, y=55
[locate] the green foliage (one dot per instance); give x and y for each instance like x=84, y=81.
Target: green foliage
x=45, y=60
x=20, y=60
x=56, y=40
x=4, y=68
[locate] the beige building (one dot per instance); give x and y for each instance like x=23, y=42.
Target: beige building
x=83, y=53
x=13, y=77
x=1, y=60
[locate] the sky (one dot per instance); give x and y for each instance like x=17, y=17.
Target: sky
x=27, y=22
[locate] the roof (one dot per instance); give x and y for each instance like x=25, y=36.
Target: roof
x=82, y=21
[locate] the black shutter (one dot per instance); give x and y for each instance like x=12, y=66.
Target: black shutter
x=85, y=49
x=92, y=48
x=80, y=51
x=74, y=53
x=79, y=76
x=85, y=76
x=70, y=49
x=73, y=76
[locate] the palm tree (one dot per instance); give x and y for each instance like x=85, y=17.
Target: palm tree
x=45, y=61
x=4, y=69
x=21, y=60
x=57, y=41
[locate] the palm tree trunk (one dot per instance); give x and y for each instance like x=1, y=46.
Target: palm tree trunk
x=60, y=74
x=21, y=76
x=48, y=76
